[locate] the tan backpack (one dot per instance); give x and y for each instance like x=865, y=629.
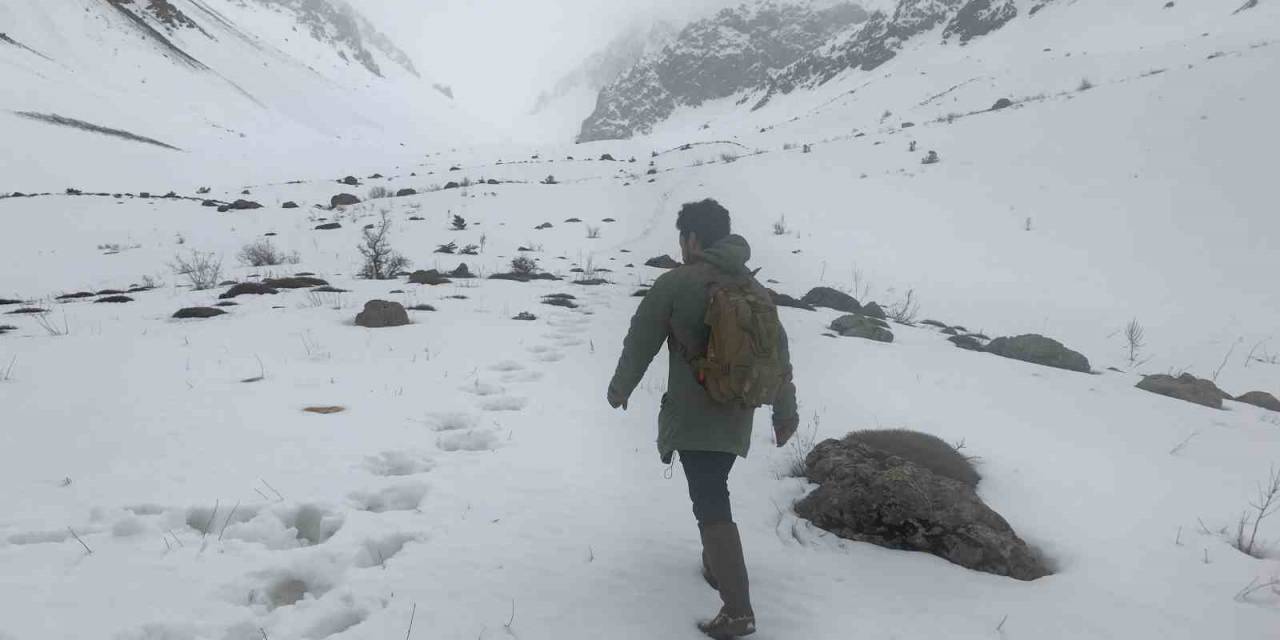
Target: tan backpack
x=743, y=365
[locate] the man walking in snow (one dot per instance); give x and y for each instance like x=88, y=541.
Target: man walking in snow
x=728, y=355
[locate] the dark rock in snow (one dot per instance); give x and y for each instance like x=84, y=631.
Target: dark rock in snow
x=295, y=282
x=870, y=495
x=873, y=310
x=7, y=301
x=979, y=17
x=343, y=200
x=831, y=299
x=430, y=277
x=74, y=296
x=26, y=311
x=1185, y=387
x=1260, y=399
x=967, y=342
x=926, y=450
x=328, y=226
x=378, y=314
x=662, y=262
x=115, y=299
x=522, y=277
x=784, y=300
x=289, y=205
x=240, y=205
x=1038, y=349
x=350, y=181
x=1002, y=103
x=461, y=272
x=406, y=192
x=199, y=312
x=247, y=288
x=857, y=326
x=451, y=185
x=525, y=315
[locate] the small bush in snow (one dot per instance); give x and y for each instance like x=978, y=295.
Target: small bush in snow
x=381, y=262
x=379, y=192
x=524, y=265
x=264, y=254
x=802, y=443
x=780, y=226
x=202, y=269
x=593, y=232
x=905, y=311
x=458, y=223
x=470, y=250
x=1134, y=336
x=1265, y=504
x=1085, y=85
x=728, y=157
x=550, y=180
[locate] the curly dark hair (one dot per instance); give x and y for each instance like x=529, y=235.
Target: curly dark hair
x=707, y=218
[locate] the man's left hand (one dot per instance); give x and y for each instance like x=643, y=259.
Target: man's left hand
x=616, y=400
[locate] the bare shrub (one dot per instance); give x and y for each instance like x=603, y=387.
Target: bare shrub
x=780, y=226
x=263, y=253
x=728, y=158
x=1134, y=335
x=470, y=250
x=6, y=374
x=593, y=232
x=802, y=443
x=202, y=269
x=524, y=265
x=379, y=192
x=1085, y=85
x=1266, y=503
x=905, y=311
x=381, y=262
x=550, y=180
x=458, y=223
x=51, y=326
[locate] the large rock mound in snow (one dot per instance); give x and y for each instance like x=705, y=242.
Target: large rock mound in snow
x=1038, y=349
x=870, y=495
x=926, y=450
x=382, y=313
x=1185, y=387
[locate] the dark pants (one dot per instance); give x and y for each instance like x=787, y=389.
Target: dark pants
x=708, y=476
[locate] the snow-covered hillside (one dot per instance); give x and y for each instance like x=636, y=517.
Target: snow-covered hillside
x=250, y=83
x=163, y=480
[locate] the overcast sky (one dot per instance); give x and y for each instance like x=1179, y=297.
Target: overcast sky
x=499, y=54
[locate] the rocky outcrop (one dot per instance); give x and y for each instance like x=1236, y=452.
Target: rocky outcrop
x=199, y=312
x=1040, y=350
x=871, y=495
x=859, y=326
x=733, y=51
x=1260, y=399
x=247, y=288
x=662, y=262
x=831, y=299
x=379, y=314
x=1185, y=387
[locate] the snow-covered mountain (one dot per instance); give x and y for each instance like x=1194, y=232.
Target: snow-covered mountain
x=604, y=66
x=200, y=77
x=735, y=50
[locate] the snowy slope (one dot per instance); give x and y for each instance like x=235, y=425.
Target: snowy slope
x=244, y=81
x=477, y=483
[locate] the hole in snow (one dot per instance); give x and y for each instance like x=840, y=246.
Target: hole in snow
x=375, y=553
x=482, y=388
x=452, y=421
x=398, y=463
x=405, y=497
x=468, y=441
x=503, y=403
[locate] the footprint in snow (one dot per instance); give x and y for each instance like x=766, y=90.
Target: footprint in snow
x=522, y=376
x=503, y=403
x=472, y=440
x=507, y=365
x=403, y=497
x=482, y=389
x=452, y=421
x=398, y=463
x=549, y=356
x=376, y=552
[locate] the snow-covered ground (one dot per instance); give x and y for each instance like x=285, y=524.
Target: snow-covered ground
x=477, y=482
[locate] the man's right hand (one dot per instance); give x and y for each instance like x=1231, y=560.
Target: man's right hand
x=616, y=400
x=784, y=429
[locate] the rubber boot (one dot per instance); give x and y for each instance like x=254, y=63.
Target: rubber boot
x=724, y=550
x=706, y=560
